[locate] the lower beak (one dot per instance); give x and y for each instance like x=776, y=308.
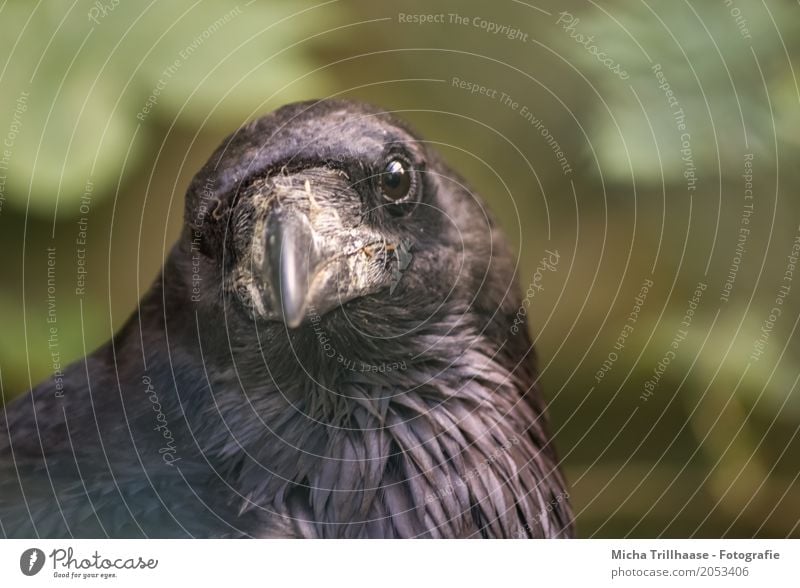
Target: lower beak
x=291, y=263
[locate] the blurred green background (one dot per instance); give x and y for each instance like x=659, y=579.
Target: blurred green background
x=107, y=109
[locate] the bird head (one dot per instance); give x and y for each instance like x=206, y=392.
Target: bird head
x=333, y=205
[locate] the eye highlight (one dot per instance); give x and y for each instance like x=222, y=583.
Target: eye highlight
x=396, y=180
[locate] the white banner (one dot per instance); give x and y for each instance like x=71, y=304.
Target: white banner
x=416, y=564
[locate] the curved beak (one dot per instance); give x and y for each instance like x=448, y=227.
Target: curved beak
x=291, y=262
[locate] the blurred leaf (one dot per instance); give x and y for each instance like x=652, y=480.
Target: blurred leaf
x=709, y=67
x=767, y=386
x=231, y=58
x=76, y=90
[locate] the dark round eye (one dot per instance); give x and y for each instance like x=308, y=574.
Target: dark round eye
x=396, y=180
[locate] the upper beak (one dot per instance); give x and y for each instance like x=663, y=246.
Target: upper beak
x=291, y=262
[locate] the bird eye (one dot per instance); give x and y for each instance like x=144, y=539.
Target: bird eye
x=396, y=180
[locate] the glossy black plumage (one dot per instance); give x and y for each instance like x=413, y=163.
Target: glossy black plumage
x=377, y=390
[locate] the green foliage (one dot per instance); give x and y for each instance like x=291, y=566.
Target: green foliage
x=712, y=69
x=89, y=84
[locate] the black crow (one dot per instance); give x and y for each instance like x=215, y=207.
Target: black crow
x=330, y=350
